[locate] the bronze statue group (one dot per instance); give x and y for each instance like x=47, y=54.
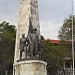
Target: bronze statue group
x=32, y=45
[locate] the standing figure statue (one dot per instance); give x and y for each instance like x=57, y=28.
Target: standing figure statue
x=33, y=43
x=22, y=46
x=41, y=46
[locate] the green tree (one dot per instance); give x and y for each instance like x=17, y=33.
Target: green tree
x=7, y=45
x=65, y=32
x=54, y=54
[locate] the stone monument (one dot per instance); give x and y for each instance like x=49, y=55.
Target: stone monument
x=29, y=42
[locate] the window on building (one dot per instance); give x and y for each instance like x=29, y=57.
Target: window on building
x=67, y=64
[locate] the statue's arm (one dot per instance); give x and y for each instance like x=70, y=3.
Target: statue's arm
x=20, y=44
x=29, y=38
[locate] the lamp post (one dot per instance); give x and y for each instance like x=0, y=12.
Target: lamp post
x=73, y=35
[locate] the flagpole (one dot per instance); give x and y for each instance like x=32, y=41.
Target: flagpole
x=73, y=36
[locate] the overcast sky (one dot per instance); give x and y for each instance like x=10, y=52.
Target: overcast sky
x=51, y=12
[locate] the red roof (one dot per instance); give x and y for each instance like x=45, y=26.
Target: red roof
x=58, y=42
x=54, y=41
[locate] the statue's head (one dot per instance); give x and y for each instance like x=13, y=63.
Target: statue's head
x=41, y=37
x=34, y=30
x=23, y=35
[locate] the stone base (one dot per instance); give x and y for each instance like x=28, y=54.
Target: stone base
x=30, y=67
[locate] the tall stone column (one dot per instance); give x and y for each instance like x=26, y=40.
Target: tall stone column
x=28, y=9
x=28, y=17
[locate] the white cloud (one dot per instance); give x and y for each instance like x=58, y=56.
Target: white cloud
x=50, y=29
x=52, y=13
x=9, y=11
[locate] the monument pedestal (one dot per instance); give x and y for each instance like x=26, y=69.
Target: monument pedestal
x=30, y=67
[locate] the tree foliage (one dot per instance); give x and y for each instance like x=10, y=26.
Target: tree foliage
x=7, y=45
x=55, y=51
x=65, y=32
x=54, y=54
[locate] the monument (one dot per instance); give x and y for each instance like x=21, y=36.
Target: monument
x=29, y=42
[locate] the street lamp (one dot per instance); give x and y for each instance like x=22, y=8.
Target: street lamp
x=73, y=35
